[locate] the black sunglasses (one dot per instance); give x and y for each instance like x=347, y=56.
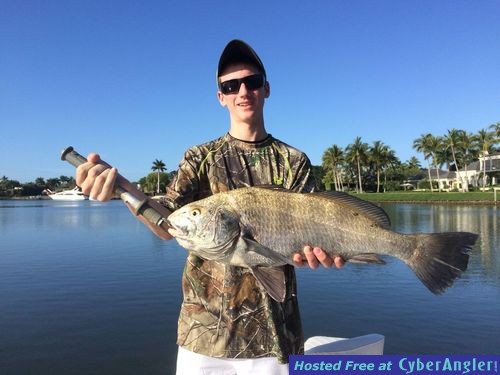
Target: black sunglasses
x=253, y=82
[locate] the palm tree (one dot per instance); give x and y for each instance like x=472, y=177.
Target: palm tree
x=435, y=144
x=53, y=183
x=495, y=128
x=40, y=181
x=3, y=183
x=332, y=157
x=357, y=153
x=158, y=167
x=484, y=140
x=378, y=155
x=413, y=163
x=465, y=148
x=450, y=141
x=389, y=160
x=67, y=181
x=422, y=145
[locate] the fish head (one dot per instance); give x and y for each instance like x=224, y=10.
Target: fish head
x=208, y=230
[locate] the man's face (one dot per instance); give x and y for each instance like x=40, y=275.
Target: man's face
x=245, y=105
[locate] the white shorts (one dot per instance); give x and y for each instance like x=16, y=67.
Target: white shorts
x=189, y=363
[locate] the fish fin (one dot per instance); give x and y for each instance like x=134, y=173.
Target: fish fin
x=366, y=258
x=273, y=281
x=372, y=211
x=439, y=258
x=253, y=245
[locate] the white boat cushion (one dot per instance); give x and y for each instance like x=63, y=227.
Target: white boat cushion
x=367, y=344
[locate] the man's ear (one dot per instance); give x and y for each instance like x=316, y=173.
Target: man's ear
x=221, y=98
x=267, y=89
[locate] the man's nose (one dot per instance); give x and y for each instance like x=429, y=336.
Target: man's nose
x=243, y=89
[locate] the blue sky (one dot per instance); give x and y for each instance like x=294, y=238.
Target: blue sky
x=135, y=80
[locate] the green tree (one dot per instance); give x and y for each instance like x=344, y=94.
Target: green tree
x=158, y=167
x=435, y=145
x=9, y=187
x=495, y=128
x=53, y=183
x=40, y=181
x=423, y=145
x=149, y=184
x=485, y=141
x=450, y=141
x=413, y=163
x=378, y=154
x=389, y=161
x=67, y=182
x=465, y=154
x=318, y=173
x=357, y=153
x=331, y=160
x=3, y=183
x=31, y=189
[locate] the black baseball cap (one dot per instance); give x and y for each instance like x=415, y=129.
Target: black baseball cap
x=237, y=51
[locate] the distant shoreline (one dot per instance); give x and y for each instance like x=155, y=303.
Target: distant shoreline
x=469, y=198
x=457, y=202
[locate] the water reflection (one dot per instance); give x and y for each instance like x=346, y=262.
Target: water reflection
x=85, y=286
x=482, y=220
x=55, y=214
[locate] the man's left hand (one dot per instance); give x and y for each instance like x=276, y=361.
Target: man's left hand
x=316, y=256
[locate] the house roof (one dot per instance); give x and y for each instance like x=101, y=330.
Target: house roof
x=423, y=174
x=492, y=164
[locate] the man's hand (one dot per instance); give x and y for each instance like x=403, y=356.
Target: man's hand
x=316, y=256
x=96, y=178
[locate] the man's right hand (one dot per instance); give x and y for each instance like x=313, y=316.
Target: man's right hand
x=96, y=178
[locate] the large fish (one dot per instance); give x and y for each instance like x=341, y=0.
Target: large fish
x=260, y=228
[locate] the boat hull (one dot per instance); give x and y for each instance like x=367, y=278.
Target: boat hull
x=67, y=195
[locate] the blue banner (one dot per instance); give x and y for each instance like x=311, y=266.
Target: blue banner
x=394, y=364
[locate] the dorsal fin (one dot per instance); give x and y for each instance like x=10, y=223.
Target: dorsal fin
x=368, y=209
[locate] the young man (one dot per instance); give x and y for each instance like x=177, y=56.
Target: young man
x=227, y=321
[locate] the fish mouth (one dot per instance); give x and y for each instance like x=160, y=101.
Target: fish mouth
x=177, y=230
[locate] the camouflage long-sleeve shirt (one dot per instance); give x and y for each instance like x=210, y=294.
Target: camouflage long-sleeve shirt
x=225, y=313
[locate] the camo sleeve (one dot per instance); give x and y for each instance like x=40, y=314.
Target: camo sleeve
x=185, y=186
x=298, y=174
x=304, y=181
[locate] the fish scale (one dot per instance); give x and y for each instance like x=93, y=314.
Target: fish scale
x=283, y=231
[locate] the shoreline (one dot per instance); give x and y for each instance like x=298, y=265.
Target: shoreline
x=398, y=201
x=454, y=202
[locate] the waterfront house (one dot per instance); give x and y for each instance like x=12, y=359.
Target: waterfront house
x=487, y=166
x=471, y=175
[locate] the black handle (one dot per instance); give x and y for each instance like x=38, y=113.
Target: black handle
x=72, y=157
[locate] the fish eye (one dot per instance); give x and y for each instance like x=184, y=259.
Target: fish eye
x=195, y=212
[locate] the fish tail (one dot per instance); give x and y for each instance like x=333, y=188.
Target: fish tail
x=439, y=258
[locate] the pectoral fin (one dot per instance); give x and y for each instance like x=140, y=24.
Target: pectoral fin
x=273, y=281
x=253, y=246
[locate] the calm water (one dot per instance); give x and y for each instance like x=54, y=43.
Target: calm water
x=85, y=289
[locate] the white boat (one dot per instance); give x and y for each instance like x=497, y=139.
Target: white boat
x=372, y=344
x=67, y=195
